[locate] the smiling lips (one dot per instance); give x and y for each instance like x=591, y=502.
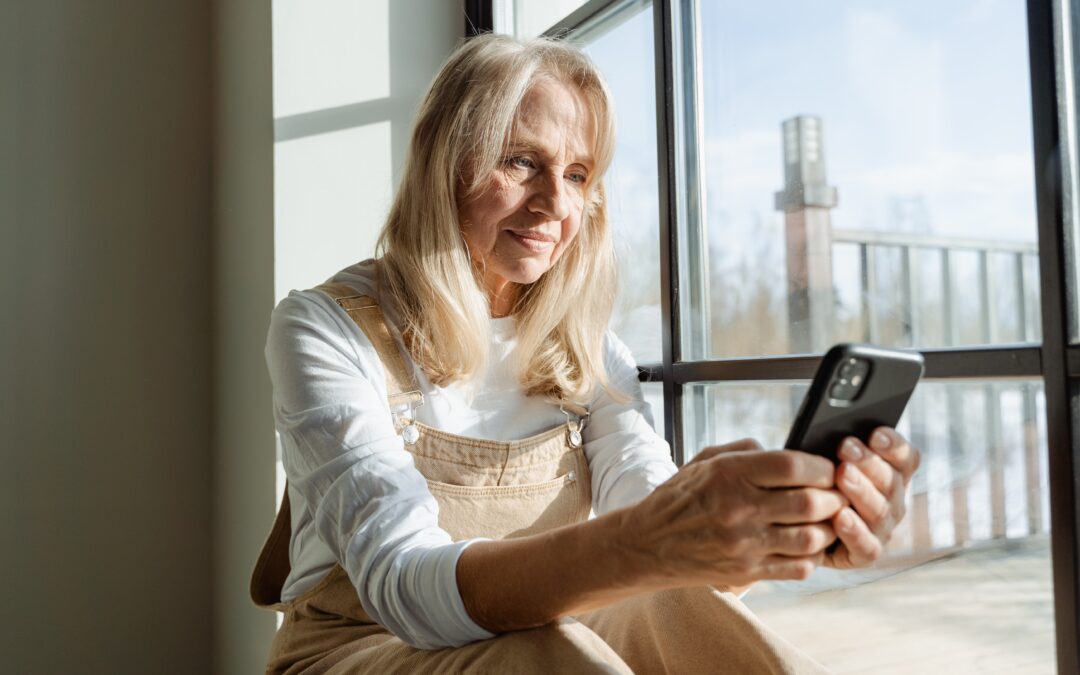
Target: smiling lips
x=536, y=242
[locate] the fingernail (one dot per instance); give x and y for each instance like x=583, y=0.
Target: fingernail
x=880, y=440
x=850, y=451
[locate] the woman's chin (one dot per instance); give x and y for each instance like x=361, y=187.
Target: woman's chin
x=527, y=273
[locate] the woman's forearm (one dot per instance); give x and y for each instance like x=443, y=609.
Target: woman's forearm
x=516, y=584
x=728, y=518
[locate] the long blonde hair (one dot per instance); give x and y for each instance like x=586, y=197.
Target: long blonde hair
x=460, y=138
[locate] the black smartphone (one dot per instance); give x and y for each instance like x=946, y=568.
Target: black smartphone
x=856, y=389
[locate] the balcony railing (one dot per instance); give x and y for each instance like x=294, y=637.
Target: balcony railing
x=1006, y=418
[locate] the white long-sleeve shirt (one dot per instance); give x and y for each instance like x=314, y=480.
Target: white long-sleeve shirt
x=357, y=500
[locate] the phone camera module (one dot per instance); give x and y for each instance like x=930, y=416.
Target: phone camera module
x=849, y=381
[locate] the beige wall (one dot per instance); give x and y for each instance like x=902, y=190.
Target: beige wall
x=244, y=295
x=137, y=272
x=105, y=500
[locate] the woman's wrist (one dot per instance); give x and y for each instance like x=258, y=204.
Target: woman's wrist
x=521, y=583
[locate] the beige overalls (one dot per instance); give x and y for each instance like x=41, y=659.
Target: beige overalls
x=505, y=489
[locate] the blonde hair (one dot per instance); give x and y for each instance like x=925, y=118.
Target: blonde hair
x=461, y=136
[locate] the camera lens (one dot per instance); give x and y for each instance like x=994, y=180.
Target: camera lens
x=850, y=368
x=839, y=391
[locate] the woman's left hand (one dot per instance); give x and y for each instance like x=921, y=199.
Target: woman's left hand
x=875, y=480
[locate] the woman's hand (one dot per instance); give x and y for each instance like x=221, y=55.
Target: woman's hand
x=875, y=480
x=734, y=515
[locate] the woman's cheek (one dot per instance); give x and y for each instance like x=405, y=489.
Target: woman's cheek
x=564, y=243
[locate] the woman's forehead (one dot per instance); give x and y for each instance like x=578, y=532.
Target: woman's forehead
x=555, y=114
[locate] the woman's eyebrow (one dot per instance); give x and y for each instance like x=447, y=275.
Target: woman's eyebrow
x=533, y=147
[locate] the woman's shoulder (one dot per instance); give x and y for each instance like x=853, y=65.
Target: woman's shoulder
x=618, y=359
x=315, y=302
x=313, y=314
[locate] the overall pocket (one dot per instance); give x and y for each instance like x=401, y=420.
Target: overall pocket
x=505, y=511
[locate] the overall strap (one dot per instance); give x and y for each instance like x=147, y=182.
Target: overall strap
x=364, y=311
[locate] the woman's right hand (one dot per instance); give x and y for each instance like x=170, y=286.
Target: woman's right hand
x=735, y=515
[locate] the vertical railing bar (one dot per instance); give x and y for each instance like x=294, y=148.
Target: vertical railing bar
x=990, y=332
x=866, y=258
x=953, y=403
x=1032, y=463
x=949, y=324
x=1028, y=412
x=1031, y=286
x=996, y=460
x=1022, y=332
x=995, y=465
x=908, y=274
x=921, y=539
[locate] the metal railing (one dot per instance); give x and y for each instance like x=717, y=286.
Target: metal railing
x=965, y=460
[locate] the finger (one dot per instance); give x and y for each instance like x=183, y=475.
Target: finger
x=800, y=540
x=896, y=450
x=788, y=468
x=742, y=444
x=882, y=474
x=788, y=567
x=871, y=505
x=860, y=547
x=800, y=505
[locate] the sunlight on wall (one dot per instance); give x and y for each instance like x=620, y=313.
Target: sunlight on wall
x=332, y=192
x=329, y=53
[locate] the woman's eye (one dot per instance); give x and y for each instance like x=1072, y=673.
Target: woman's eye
x=520, y=162
x=577, y=177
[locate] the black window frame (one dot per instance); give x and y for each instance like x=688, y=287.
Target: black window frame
x=1056, y=359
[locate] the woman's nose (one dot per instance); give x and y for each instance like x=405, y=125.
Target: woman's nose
x=551, y=198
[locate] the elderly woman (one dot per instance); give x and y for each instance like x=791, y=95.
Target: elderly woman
x=451, y=412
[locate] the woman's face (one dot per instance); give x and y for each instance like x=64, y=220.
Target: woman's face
x=530, y=210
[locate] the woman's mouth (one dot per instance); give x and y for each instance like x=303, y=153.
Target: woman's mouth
x=533, y=241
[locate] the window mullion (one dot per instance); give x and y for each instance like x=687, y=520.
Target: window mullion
x=1049, y=46
x=664, y=27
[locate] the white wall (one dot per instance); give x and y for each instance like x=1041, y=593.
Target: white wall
x=348, y=77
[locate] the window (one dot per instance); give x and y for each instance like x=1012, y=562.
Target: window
x=896, y=172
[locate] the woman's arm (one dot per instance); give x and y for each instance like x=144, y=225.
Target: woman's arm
x=734, y=515
x=359, y=497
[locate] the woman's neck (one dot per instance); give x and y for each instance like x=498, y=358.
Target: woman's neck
x=502, y=295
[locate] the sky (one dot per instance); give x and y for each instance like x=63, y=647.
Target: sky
x=924, y=104
x=925, y=108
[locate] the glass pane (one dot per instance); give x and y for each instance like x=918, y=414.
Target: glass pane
x=868, y=175
x=654, y=396
x=966, y=581
x=528, y=18
x=1068, y=98
x=624, y=54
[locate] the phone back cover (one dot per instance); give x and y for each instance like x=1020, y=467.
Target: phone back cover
x=881, y=402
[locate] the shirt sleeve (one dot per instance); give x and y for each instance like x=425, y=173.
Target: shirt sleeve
x=627, y=458
x=368, y=502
